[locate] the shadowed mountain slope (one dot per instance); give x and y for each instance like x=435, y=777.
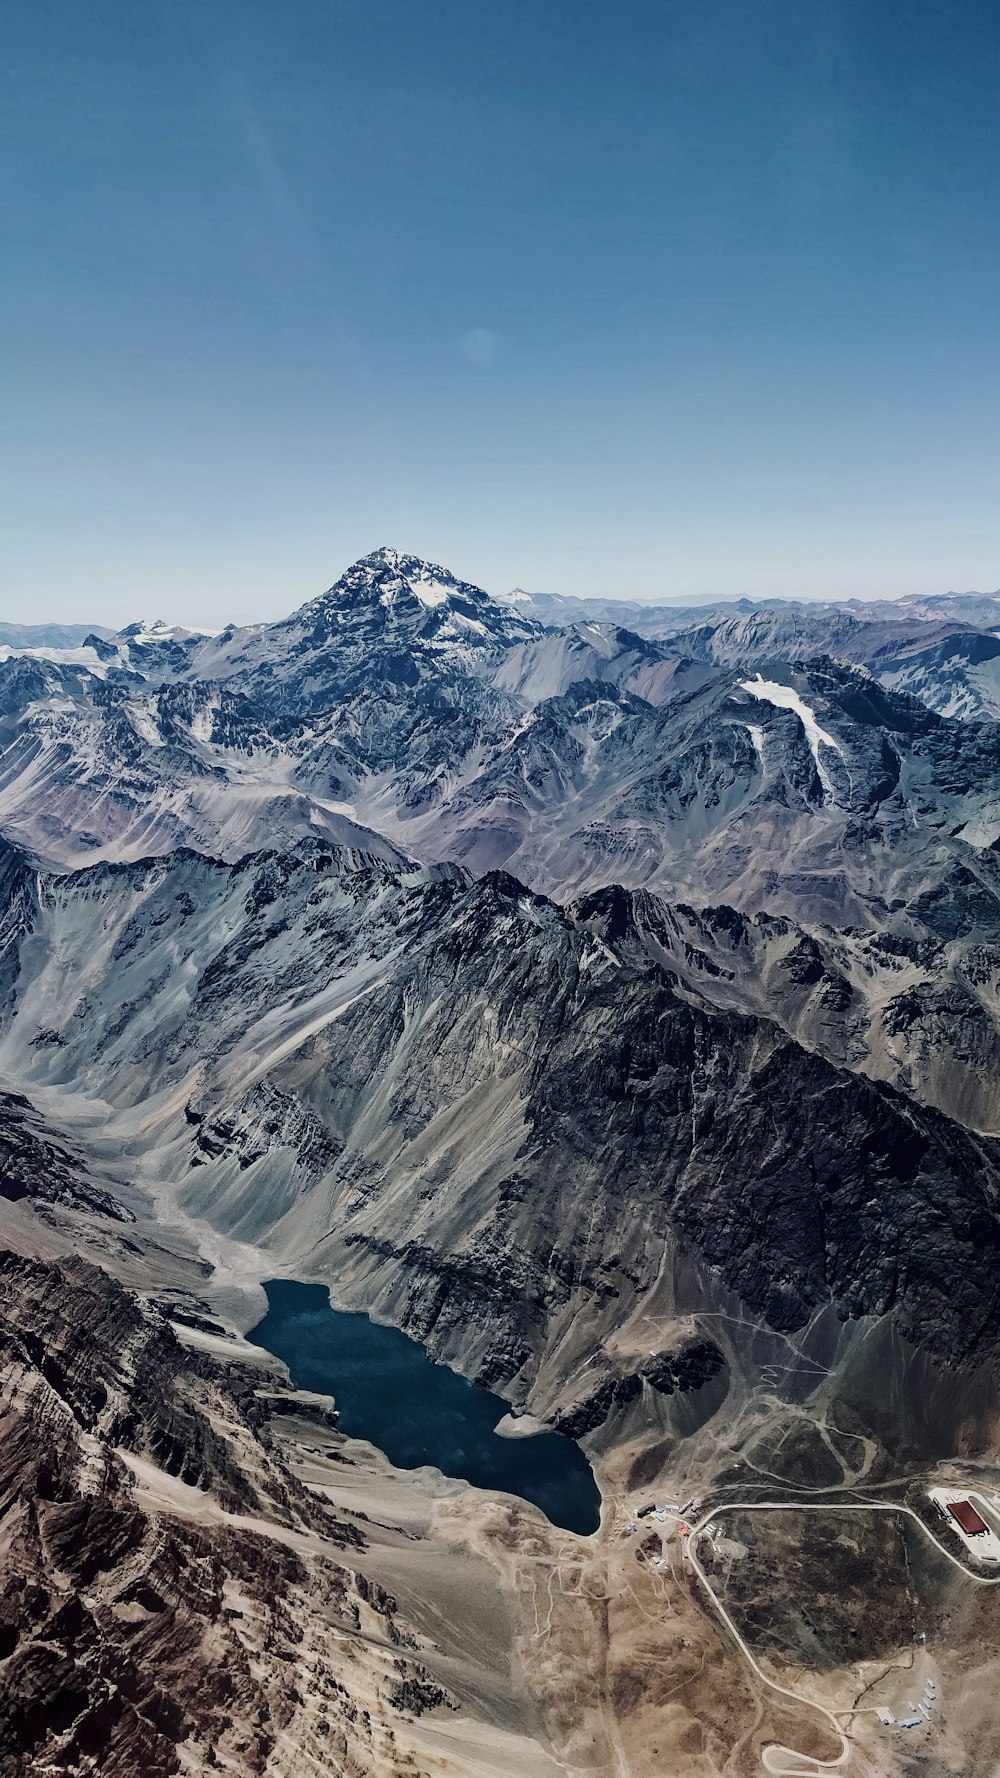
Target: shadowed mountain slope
x=455, y=1092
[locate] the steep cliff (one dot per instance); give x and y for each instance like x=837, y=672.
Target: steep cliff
x=454, y=1097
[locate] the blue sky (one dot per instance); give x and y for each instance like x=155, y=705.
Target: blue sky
x=655, y=299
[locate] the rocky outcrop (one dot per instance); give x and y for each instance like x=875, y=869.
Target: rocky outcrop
x=44, y=1173
x=669, y=1373
x=174, y=1600
x=913, y=1006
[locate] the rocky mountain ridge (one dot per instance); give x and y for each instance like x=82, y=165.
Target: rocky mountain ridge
x=616, y=1012
x=164, y=1571
x=313, y=1051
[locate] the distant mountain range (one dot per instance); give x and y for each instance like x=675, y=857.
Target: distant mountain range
x=944, y=648
x=981, y=610
x=27, y=636
x=407, y=712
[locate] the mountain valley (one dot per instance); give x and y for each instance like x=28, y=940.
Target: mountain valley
x=606, y=996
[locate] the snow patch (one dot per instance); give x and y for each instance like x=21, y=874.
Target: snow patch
x=430, y=592
x=202, y=723
x=756, y=734
x=785, y=697
x=469, y=623
x=144, y=723
x=160, y=631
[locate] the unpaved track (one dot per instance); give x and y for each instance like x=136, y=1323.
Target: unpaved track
x=786, y=1762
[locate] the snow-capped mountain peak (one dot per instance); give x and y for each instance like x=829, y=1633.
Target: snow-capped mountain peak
x=160, y=631
x=387, y=576
x=389, y=593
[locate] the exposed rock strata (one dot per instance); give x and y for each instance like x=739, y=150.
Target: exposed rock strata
x=229, y=1635
x=459, y=1099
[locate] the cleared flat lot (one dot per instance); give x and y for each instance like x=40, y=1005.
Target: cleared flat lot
x=986, y=1547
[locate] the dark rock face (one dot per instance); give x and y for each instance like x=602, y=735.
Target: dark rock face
x=910, y=1005
x=146, y=1636
x=500, y=1115
x=669, y=1373
x=45, y=1174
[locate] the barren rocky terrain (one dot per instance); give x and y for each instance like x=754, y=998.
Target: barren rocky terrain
x=616, y=1013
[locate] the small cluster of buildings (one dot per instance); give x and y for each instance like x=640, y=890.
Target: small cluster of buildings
x=669, y=1510
x=917, y=1714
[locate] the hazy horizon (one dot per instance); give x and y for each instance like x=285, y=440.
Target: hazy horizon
x=75, y=615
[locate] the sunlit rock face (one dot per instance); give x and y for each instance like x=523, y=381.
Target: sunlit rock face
x=703, y=838
x=502, y=1119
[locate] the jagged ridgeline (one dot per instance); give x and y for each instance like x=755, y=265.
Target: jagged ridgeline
x=607, y=996
x=161, y=1633
x=519, y=968
x=504, y=1123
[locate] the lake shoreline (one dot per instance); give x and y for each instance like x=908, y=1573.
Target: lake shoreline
x=420, y=1413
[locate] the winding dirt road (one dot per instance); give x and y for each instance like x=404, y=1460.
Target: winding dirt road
x=787, y=1762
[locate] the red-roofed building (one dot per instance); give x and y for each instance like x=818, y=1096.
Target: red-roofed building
x=967, y=1518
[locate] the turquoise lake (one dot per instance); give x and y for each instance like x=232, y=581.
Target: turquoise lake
x=388, y=1391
